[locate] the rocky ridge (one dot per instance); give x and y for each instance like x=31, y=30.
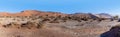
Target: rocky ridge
x=33, y=23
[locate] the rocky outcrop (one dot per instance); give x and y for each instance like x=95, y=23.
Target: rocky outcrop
x=104, y=15
x=84, y=15
x=113, y=32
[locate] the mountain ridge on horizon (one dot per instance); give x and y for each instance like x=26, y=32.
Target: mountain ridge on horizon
x=51, y=13
x=48, y=11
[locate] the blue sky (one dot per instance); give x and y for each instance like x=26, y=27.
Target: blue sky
x=64, y=6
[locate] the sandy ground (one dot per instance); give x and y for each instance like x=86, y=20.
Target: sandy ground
x=62, y=29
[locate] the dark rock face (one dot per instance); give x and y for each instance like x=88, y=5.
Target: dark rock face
x=118, y=20
x=113, y=32
x=84, y=15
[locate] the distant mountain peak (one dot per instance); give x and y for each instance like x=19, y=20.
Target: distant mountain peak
x=104, y=15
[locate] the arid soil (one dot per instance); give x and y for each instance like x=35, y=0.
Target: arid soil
x=31, y=23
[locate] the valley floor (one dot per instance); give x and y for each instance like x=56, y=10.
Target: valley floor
x=69, y=28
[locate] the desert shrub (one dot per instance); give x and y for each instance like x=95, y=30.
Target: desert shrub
x=79, y=20
x=15, y=25
x=54, y=22
x=51, y=17
x=17, y=16
x=91, y=20
x=34, y=18
x=55, y=19
x=84, y=19
x=100, y=19
x=40, y=17
x=69, y=17
x=65, y=18
x=13, y=19
x=64, y=21
x=12, y=24
x=46, y=19
x=39, y=25
x=4, y=26
x=94, y=19
x=30, y=25
x=111, y=19
x=79, y=25
x=75, y=18
x=47, y=15
x=59, y=16
x=7, y=25
x=116, y=17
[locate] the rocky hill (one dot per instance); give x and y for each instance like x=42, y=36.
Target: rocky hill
x=104, y=15
x=33, y=23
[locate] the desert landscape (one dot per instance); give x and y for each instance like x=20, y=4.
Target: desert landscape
x=34, y=23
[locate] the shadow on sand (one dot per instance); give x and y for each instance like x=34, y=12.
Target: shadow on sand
x=113, y=32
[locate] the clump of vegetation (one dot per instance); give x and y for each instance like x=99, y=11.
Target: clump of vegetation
x=12, y=24
x=116, y=17
x=46, y=19
x=28, y=25
x=54, y=22
x=84, y=19
x=100, y=19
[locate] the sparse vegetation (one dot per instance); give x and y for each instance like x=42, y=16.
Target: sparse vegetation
x=28, y=25
x=79, y=25
x=116, y=17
